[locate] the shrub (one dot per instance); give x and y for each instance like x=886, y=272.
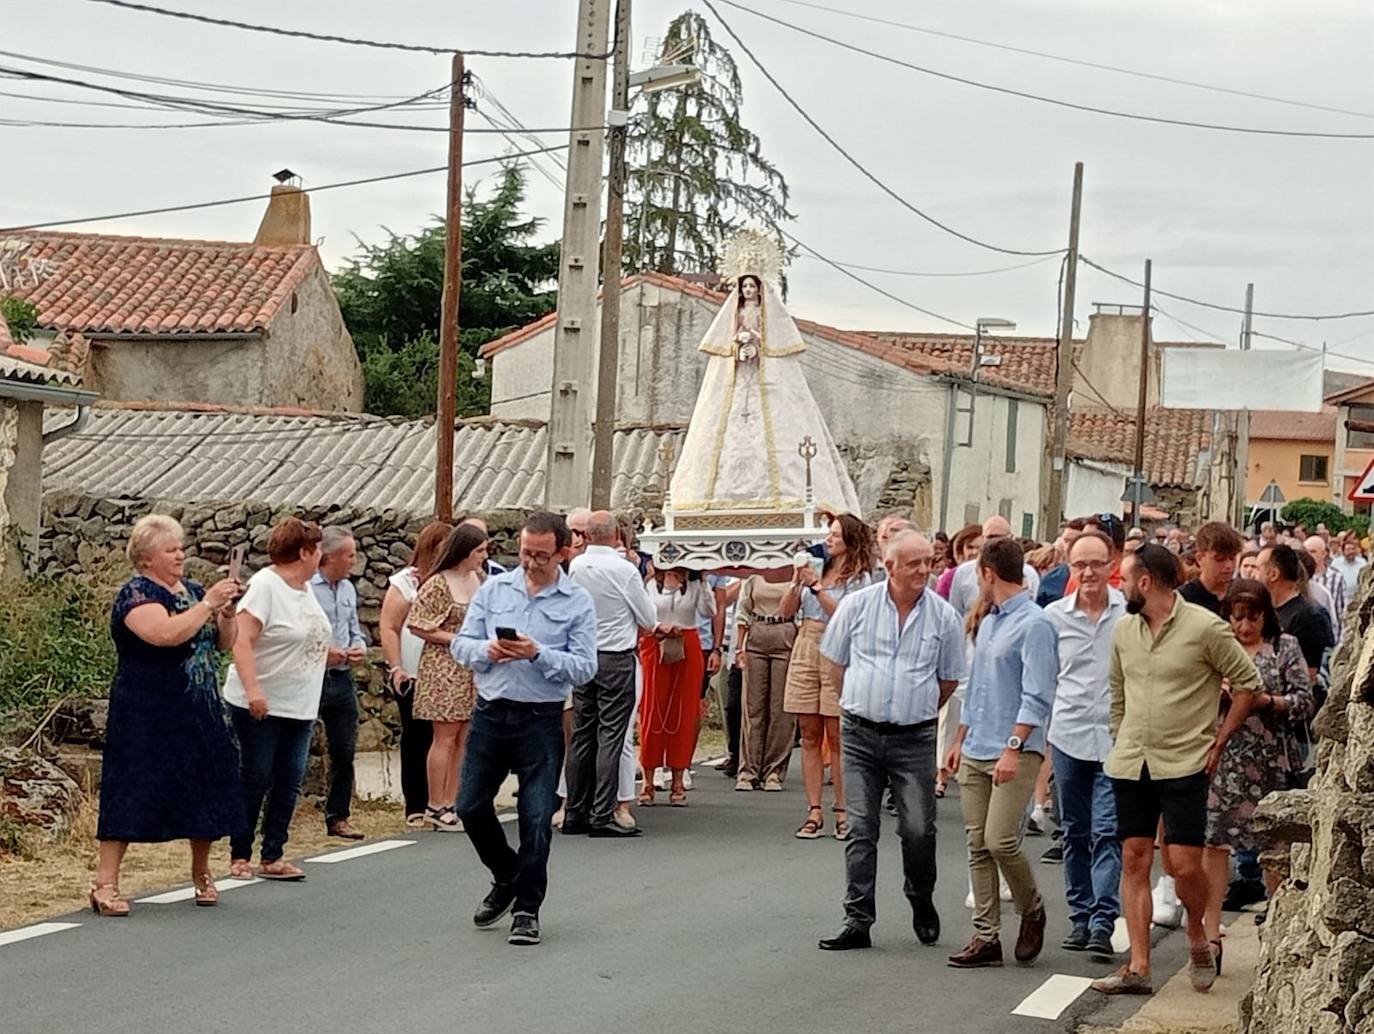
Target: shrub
x=21, y=315
x=1311, y=512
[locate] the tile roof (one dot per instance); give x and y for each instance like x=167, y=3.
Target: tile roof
x=105, y=285
x=1025, y=364
x=1174, y=441
x=293, y=457
x=21, y=363
x=1298, y=427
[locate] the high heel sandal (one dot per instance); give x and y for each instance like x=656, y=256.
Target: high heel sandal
x=646, y=796
x=678, y=797
x=1216, y=953
x=105, y=901
x=811, y=829
x=841, y=824
x=207, y=894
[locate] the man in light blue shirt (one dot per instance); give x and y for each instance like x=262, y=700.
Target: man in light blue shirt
x=339, y=697
x=899, y=652
x=999, y=749
x=529, y=637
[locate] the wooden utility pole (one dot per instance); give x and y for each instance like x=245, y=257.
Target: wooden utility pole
x=1138, y=481
x=1242, y=471
x=448, y=318
x=608, y=368
x=568, y=480
x=1052, y=513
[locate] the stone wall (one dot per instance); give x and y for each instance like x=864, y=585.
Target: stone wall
x=1316, y=971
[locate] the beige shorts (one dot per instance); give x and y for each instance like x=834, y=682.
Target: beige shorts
x=812, y=687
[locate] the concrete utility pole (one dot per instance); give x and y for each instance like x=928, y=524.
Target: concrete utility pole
x=608, y=368
x=1138, y=481
x=1242, y=474
x=1052, y=512
x=448, y=318
x=568, y=482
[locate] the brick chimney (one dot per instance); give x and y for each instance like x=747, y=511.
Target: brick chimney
x=287, y=219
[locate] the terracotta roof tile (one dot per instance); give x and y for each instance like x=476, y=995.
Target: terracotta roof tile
x=1026, y=364
x=1289, y=426
x=1174, y=440
x=104, y=285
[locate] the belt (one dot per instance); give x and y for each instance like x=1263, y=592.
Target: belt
x=619, y=653
x=761, y=620
x=887, y=727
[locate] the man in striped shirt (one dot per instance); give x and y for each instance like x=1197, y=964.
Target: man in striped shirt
x=899, y=652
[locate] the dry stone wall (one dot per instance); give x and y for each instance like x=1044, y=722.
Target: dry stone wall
x=1316, y=972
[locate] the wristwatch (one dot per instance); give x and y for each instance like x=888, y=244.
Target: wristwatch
x=1015, y=742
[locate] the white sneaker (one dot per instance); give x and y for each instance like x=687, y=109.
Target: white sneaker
x=968, y=901
x=661, y=779
x=1036, y=826
x=1006, y=890
x=687, y=779
x=1168, y=910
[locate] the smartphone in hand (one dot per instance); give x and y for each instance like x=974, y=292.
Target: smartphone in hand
x=236, y=556
x=507, y=634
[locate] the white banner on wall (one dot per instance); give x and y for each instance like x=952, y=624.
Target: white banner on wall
x=1214, y=378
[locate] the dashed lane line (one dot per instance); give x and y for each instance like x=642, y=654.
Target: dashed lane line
x=187, y=893
x=360, y=852
x=1052, y=997
x=25, y=933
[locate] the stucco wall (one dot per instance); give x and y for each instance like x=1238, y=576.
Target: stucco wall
x=168, y=370
x=980, y=484
x=1095, y=488
x=311, y=361
x=1281, y=461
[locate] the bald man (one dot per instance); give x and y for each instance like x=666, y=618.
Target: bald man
x=963, y=591
x=1330, y=579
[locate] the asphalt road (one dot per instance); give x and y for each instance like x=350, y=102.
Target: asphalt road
x=708, y=922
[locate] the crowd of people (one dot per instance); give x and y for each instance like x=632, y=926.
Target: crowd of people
x=1123, y=690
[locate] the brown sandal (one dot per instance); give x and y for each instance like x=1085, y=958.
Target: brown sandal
x=678, y=798
x=207, y=894
x=646, y=796
x=841, y=824
x=280, y=870
x=105, y=901
x=811, y=828
x=240, y=869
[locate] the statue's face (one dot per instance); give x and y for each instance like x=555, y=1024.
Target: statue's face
x=749, y=288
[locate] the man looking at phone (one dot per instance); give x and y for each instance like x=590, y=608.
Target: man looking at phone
x=529, y=637
x=339, y=698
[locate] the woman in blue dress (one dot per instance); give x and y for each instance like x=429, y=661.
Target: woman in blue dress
x=171, y=768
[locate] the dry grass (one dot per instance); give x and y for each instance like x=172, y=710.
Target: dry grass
x=55, y=878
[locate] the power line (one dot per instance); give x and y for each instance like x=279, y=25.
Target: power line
x=262, y=197
x=1227, y=308
x=1173, y=80
x=917, y=273
x=850, y=158
x=350, y=41
x=1025, y=95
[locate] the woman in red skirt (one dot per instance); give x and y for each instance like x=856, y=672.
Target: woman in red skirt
x=674, y=666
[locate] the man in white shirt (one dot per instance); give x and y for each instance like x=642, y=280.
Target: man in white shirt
x=1350, y=564
x=899, y=652
x=1080, y=740
x=602, y=708
x=964, y=590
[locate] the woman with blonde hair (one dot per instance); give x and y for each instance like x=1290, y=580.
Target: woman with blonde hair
x=170, y=767
x=401, y=647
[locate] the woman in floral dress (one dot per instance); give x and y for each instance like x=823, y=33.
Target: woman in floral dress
x=1264, y=754
x=444, y=690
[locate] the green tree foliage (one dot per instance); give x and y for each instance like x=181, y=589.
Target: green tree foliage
x=21, y=316
x=1311, y=512
x=695, y=173
x=391, y=294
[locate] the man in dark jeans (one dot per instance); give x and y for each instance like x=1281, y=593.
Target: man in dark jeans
x=900, y=650
x=529, y=637
x=339, y=697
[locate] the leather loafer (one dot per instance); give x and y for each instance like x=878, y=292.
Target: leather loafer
x=613, y=830
x=1031, y=940
x=847, y=939
x=978, y=955
x=1100, y=943
x=926, y=922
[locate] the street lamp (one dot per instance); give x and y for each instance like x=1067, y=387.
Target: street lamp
x=664, y=77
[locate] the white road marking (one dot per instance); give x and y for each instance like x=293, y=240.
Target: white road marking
x=25, y=933
x=360, y=852
x=508, y=817
x=1052, y=997
x=1121, y=940
x=187, y=893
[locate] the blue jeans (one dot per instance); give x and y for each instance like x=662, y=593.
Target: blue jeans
x=903, y=756
x=272, y=753
x=526, y=739
x=1092, y=852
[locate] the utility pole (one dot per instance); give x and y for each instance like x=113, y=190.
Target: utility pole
x=1242, y=474
x=453, y=280
x=1052, y=513
x=603, y=446
x=1138, y=481
x=566, y=485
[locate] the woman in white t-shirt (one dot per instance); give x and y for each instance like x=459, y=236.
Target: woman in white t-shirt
x=273, y=693
x=402, y=647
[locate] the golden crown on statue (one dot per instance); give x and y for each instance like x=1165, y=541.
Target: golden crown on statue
x=751, y=250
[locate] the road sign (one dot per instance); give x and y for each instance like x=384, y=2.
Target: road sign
x=1272, y=493
x=1363, y=492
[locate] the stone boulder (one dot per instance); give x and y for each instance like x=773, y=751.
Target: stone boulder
x=81, y=721
x=37, y=794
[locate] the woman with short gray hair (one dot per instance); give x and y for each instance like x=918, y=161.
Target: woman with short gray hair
x=170, y=767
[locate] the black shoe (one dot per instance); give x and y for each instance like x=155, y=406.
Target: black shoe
x=1054, y=855
x=1242, y=893
x=848, y=938
x=614, y=831
x=494, y=905
x=1100, y=943
x=926, y=922
x=1077, y=940
x=574, y=827
x=730, y=769
x=524, y=929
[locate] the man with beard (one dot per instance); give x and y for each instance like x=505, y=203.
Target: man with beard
x=1169, y=658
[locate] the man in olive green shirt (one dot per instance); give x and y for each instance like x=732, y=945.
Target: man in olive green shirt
x=1169, y=659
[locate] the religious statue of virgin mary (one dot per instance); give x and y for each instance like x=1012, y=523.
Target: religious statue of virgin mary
x=756, y=434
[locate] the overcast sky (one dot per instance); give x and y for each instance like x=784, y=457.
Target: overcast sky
x=1214, y=210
